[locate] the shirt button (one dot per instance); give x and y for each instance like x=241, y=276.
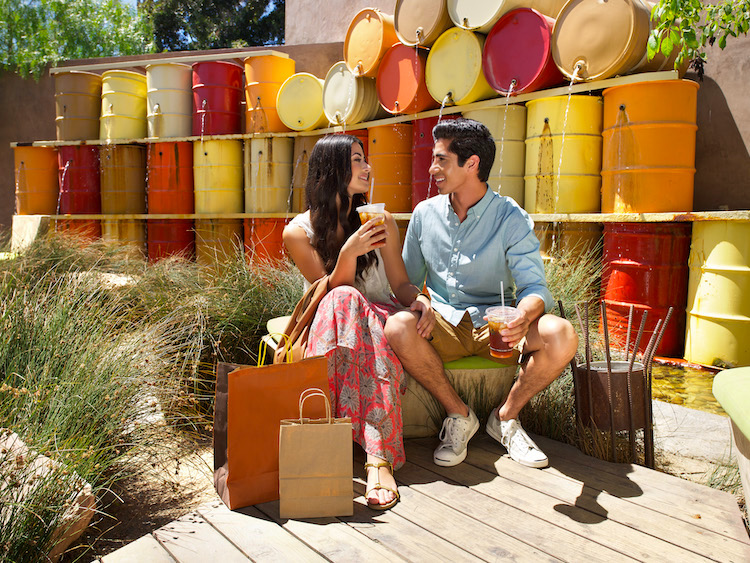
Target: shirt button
x=455, y=250
x=453, y=294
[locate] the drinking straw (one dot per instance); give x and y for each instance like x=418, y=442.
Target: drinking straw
x=502, y=294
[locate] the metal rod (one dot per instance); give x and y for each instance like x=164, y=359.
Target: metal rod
x=573, y=365
x=603, y=308
x=648, y=433
x=562, y=315
x=579, y=406
x=627, y=337
x=588, y=364
x=648, y=430
x=630, y=388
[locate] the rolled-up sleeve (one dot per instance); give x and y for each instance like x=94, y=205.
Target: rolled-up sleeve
x=416, y=268
x=524, y=260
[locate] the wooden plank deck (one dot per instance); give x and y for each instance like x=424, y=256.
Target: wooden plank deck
x=485, y=509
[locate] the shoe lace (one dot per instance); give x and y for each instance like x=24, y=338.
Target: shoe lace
x=519, y=439
x=451, y=433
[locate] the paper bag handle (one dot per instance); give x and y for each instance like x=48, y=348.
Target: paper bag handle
x=263, y=347
x=314, y=392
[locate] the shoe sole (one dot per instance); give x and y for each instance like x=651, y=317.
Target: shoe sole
x=461, y=457
x=532, y=464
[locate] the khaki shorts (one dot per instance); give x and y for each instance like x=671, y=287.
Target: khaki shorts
x=455, y=342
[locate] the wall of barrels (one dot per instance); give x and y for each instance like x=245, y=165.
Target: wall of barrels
x=223, y=139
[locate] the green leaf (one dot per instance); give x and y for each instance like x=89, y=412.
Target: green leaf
x=722, y=41
x=652, y=46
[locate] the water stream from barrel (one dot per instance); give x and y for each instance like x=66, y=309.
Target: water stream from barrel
x=562, y=146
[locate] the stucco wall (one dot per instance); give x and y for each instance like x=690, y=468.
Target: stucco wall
x=313, y=21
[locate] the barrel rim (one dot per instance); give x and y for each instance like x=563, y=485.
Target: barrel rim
x=679, y=81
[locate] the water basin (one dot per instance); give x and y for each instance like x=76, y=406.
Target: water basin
x=685, y=385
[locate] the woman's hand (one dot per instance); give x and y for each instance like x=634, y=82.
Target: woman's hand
x=368, y=237
x=426, y=321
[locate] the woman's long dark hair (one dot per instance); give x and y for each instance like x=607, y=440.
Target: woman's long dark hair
x=329, y=173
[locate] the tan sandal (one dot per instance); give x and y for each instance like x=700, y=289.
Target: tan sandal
x=376, y=505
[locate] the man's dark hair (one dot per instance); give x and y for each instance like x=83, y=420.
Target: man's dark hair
x=468, y=137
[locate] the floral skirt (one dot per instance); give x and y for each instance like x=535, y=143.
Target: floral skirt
x=365, y=377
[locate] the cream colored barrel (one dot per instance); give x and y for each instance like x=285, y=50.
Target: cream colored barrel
x=454, y=72
x=348, y=99
x=123, y=113
x=303, y=146
x=169, y=100
x=268, y=174
x=218, y=176
x=718, y=305
x=563, y=155
x=420, y=22
x=78, y=103
x=507, y=124
x=300, y=102
x=482, y=15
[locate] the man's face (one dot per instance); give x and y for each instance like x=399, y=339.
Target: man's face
x=445, y=171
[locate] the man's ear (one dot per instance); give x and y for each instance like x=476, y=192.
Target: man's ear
x=473, y=163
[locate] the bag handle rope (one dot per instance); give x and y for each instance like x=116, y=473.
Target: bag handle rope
x=314, y=392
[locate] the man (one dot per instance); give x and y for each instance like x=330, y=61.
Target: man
x=462, y=243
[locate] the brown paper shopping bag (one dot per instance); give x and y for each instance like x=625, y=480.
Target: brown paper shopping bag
x=315, y=464
x=250, y=404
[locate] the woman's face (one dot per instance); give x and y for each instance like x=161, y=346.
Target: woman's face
x=360, y=182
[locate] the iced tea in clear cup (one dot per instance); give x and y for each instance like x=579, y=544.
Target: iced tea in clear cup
x=372, y=211
x=498, y=318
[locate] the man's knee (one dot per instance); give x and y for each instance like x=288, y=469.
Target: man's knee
x=560, y=337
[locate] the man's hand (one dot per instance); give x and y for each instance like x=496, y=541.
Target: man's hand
x=426, y=321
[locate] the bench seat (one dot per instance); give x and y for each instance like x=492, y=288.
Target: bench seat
x=732, y=389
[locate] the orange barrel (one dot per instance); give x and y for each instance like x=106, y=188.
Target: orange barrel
x=422, y=186
x=169, y=100
x=36, y=180
x=646, y=265
x=363, y=135
x=123, y=179
x=568, y=239
x=613, y=43
x=348, y=99
x=78, y=168
x=123, y=105
x=507, y=124
x=390, y=158
x=300, y=102
x=264, y=76
x=454, y=68
x=217, y=240
x=130, y=233
x=268, y=174
x=482, y=16
x=718, y=305
x=371, y=33
x=78, y=104
x=263, y=242
x=170, y=178
x=420, y=22
x=217, y=92
x=517, y=54
x=563, y=155
x=303, y=146
x=401, y=81
x=648, y=151
x=170, y=237
x=218, y=176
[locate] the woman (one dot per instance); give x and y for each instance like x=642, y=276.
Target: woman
x=364, y=266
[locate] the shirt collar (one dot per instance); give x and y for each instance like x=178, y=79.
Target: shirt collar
x=477, y=209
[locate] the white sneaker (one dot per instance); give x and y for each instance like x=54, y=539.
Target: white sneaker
x=454, y=438
x=513, y=437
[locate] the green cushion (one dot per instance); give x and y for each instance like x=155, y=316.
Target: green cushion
x=732, y=390
x=475, y=362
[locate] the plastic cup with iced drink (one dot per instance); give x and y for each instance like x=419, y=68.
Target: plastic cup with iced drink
x=498, y=318
x=372, y=211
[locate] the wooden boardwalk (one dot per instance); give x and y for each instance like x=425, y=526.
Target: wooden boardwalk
x=488, y=508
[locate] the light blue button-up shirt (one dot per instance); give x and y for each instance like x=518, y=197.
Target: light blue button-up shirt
x=463, y=263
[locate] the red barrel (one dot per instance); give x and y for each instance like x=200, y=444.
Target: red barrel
x=518, y=48
x=646, y=265
x=422, y=185
x=401, y=82
x=170, y=237
x=170, y=178
x=361, y=134
x=263, y=241
x=79, y=188
x=217, y=93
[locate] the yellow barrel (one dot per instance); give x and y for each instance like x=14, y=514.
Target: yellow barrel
x=36, y=180
x=718, y=306
x=563, y=155
x=123, y=179
x=348, y=99
x=169, y=100
x=77, y=105
x=420, y=22
x=389, y=154
x=218, y=176
x=507, y=124
x=217, y=240
x=268, y=174
x=303, y=146
x=264, y=76
x=482, y=16
x=123, y=105
x=567, y=239
x=300, y=102
x=649, y=136
x=454, y=72
x=130, y=233
x=371, y=33
x=613, y=40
